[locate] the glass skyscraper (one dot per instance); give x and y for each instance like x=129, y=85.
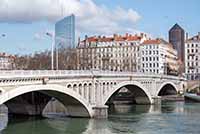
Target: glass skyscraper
x=65, y=32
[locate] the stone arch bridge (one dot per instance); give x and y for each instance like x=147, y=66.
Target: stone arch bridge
x=84, y=93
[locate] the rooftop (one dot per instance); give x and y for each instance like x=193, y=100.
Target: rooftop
x=175, y=27
x=195, y=38
x=5, y=55
x=157, y=42
x=115, y=37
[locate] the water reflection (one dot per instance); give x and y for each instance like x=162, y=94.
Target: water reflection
x=3, y=121
x=179, y=118
x=45, y=126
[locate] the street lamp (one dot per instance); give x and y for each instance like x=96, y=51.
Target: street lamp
x=54, y=38
x=52, y=49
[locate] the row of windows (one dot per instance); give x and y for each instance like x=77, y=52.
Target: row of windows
x=117, y=49
x=192, y=50
x=192, y=64
x=113, y=43
x=151, y=46
x=150, y=58
x=194, y=71
x=150, y=70
x=192, y=57
x=192, y=45
x=193, y=77
x=150, y=65
x=149, y=52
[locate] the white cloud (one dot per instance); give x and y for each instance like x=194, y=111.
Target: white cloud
x=90, y=17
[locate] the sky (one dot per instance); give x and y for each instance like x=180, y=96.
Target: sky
x=25, y=22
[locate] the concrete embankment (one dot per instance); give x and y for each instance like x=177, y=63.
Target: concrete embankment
x=172, y=98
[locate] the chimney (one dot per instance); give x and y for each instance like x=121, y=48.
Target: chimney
x=141, y=34
x=114, y=35
x=126, y=35
x=199, y=35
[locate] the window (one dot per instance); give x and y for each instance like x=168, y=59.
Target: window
x=142, y=58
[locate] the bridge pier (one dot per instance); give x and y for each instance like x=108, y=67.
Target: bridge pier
x=156, y=100
x=100, y=112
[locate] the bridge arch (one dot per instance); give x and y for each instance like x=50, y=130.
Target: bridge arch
x=167, y=88
x=53, y=91
x=146, y=98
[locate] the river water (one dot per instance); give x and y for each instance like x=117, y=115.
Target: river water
x=169, y=118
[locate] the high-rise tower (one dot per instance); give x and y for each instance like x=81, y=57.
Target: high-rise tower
x=65, y=32
x=177, y=39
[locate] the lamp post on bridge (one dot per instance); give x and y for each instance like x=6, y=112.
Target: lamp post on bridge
x=61, y=40
x=52, y=48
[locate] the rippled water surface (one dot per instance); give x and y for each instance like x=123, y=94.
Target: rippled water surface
x=169, y=118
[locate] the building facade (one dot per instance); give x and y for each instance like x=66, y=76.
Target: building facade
x=158, y=57
x=192, y=58
x=135, y=53
x=116, y=53
x=6, y=61
x=177, y=39
x=65, y=32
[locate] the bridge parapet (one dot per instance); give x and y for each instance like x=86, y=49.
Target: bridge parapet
x=79, y=73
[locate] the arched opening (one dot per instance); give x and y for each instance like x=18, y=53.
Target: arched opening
x=33, y=103
x=167, y=89
x=131, y=94
x=127, y=98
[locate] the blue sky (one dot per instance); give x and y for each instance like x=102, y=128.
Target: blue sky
x=25, y=25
